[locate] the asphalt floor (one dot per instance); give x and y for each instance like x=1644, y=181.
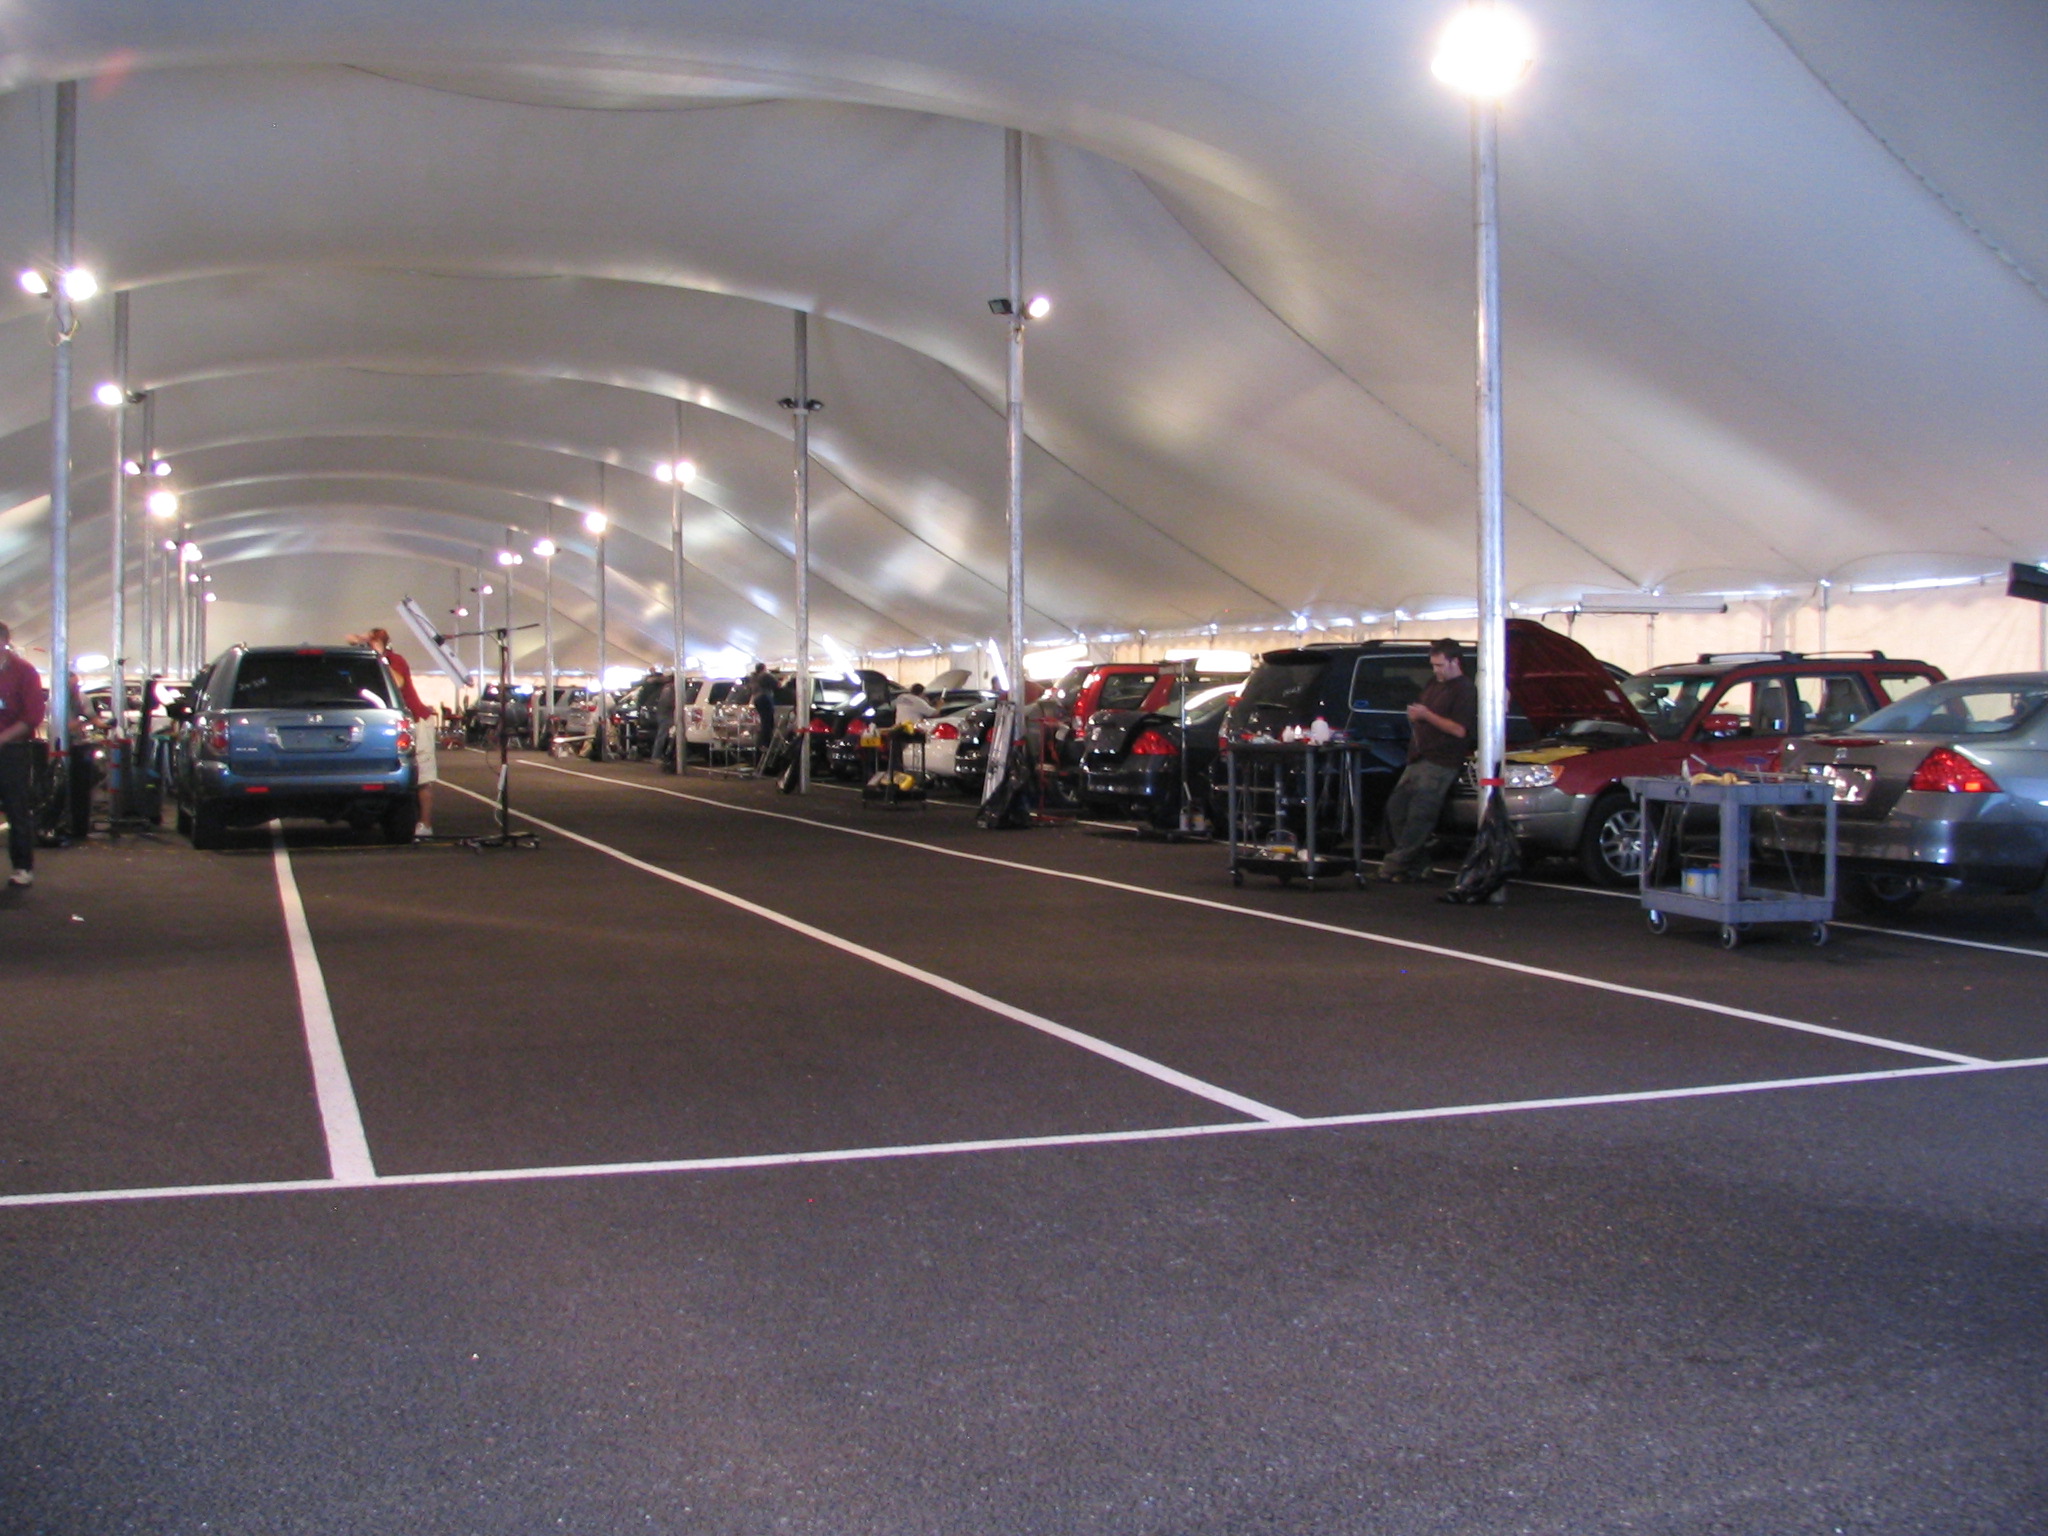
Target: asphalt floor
x=738, y=1162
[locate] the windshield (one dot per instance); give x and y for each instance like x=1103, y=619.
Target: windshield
x=1667, y=703
x=1981, y=708
x=321, y=680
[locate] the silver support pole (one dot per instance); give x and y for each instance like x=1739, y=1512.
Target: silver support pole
x=146, y=574
x=483, y=623
x=803, y=408
x=181, y=653
x=677, y=729
x=66, y=187
x=1013, y=233
x=199, y=606
x=603, y=717
x=547, y=618
x=1827, y=592
x=117, y=566
x=1493, y=671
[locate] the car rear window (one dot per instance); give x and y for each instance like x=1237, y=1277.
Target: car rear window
x=1389, y=684
x=322, y=680
x=1983, y=708
x=1125, y=690
x=1287, y=683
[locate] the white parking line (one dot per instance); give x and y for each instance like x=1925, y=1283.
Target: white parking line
x=932, y=979
x=1000, y=1144
x=348, y=1150
x=1415, y=946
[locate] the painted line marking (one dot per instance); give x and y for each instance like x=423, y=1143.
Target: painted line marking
x=995, y=1005
x=1005, y=1144
x=1414, y=946
x=348, y=1150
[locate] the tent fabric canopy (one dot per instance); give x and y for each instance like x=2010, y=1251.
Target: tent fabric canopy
x=403, y=278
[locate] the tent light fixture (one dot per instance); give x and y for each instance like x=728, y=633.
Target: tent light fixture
x=1484, y=51
x=160, y=467
x=79, y=284
x=596, y=523
x=110, y=394
x=544, y=549
x=33, y=282
x=162, y=503
x=681, y=472
x=1038, y=308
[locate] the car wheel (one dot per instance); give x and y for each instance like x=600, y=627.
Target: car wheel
x=1880, y=895
x=1611, y=848
x=209, y=826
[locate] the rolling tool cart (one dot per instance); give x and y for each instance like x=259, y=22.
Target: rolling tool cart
x=1724, y=886
x=897, y=784
x=1275, y=787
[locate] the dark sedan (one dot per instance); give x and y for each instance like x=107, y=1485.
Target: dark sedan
x=1149, y=764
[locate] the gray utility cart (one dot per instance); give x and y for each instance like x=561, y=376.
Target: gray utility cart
x=1727, y=886
x=1279, y=787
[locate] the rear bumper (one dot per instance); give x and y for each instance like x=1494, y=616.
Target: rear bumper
x=1929, y=834
x=1546, y=820
x=255, y=797
x=1131, y=786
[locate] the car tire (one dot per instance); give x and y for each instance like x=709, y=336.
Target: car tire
x=1611, y=847
x=209, y=826
x=1880, y=895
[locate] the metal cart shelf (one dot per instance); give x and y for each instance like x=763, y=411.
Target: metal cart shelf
x=1728, y=892
x=1268, y=782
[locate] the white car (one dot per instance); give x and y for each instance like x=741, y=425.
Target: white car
x=942, y=740
x=706, y=700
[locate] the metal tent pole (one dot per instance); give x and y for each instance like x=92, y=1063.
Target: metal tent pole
x=117, y=566
x=1493, y=683
x=1013, y=231
x=547, y=632
x=800, y=406
x=66, y=187
x=603, y=718
x=677, y=727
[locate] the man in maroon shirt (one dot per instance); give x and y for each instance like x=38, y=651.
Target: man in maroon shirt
x=21, y=715
x=1442, y=728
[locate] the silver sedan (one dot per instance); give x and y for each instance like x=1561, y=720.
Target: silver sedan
x=1946, y=789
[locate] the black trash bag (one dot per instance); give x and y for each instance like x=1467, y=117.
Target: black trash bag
x=792, y=772
x=1490, y=863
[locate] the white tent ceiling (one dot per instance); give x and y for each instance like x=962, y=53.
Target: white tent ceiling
x=404, y=276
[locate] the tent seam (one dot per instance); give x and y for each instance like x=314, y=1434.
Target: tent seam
x=1954, y=209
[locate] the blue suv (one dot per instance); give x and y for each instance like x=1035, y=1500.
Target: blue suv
x=295, y=731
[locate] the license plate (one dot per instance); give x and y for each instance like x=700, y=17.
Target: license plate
x=317, y=738
x=1850, y=783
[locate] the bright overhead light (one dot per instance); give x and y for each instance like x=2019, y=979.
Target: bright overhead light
x=91, y=661
x=1039, y=307
x=110, y=395
x=188, y=554
x=510, y=557
x=130, y=467
x=544, y=549
x=1484, y=51
x=461, y=612
x=160, y=467
x=682, y=472
x=485, y=590
x=209, y=596
x=80, y=285
x=595, y=522
x=34, y=282
x=163, y=503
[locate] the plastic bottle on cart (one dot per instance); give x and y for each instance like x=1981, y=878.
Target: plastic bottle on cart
x=1319, y=732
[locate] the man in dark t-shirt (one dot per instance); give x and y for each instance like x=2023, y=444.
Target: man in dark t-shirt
x=1443, y=726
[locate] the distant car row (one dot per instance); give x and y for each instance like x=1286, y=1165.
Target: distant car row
x=1939, y=784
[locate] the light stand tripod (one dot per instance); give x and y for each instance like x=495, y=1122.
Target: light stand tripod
x=504, y=837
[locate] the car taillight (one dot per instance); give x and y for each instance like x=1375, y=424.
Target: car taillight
x=404, y=738
x=217, y=737
x=1151, y=743
x=945, y=731
x=1947, y=770
x=857, y=728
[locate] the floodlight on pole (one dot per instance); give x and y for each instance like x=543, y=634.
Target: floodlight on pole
x=1483, y=52
x=111, y=395
x=681, y=472
x=162, y=503
x=595, y=523
x=160, y=467
x=34, y=283
x=544, y=549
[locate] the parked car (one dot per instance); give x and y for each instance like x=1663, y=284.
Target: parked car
x=1946, y=789
x=702, y=699
x=942, y=740
x=568, y=714
x=1565, y=794
x=1363, y=690
x=294, y=731
x=1147, y=763
x=635, y=722
x=868, y=706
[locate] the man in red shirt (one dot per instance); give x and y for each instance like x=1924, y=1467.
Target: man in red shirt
x=21, y=715
x=424, y=724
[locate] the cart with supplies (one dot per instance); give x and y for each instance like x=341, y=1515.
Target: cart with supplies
x=1294, y=809
x=1722, y=882
x=898, y=776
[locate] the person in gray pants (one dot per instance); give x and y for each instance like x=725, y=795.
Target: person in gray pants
x=1443, y=727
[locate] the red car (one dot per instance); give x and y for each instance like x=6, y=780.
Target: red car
x=1565, y=795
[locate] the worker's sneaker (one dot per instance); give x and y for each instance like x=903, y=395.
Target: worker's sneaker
x=22, y=877
x=422, y=833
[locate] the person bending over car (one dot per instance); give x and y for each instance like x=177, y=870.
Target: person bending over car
x=1442, y=727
